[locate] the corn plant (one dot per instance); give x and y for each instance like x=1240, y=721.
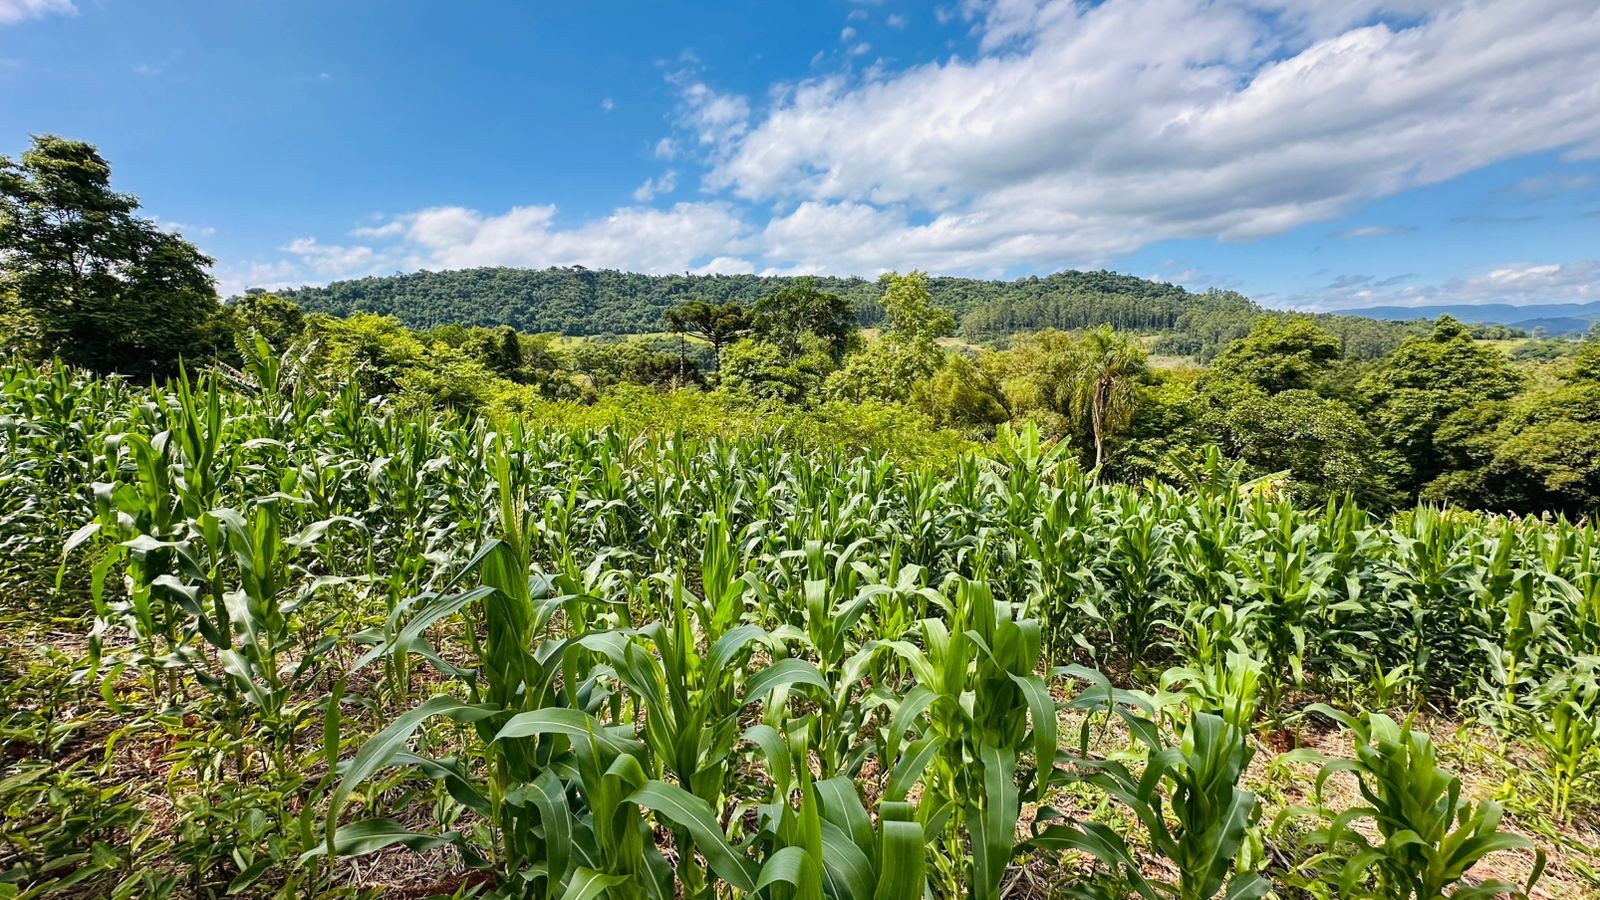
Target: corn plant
x=1561, y=719
x=1428, y=837
x=1187, y=798
x=593, y=662
x=975, y=697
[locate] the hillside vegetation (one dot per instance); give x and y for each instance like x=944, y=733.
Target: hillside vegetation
x=1331, y=407
x=578, y=301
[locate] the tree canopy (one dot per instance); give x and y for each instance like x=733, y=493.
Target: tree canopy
x=91, y=281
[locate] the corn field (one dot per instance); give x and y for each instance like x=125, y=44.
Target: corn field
x=271, y=639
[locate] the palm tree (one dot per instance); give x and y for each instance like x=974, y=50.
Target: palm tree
x=1105, y=372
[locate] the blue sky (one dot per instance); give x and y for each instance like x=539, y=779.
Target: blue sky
x=1342, y=153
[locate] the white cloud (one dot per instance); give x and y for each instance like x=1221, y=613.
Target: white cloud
x=895, y=20
x=1074, y=133
x=331, y=260
x=1551, y=184
x=189, y=231
x=235, y=280
x=1517, y=283
x=1086, y=130
x=633, y=238
x=18, y=10
x=1367, y=231
x=716, y=120
x=725, y=265
x=608, y=104
x=146, y=69
x=686, y=237
x=386, y=230
x=666, y=184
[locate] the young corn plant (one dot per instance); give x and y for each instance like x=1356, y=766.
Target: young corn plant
x=529, y=701
x=976, y=694
x=1424, y=837
x=687, y=697
x=1187, y=798
x=1228, y=687
x=1561, y=719
x=1282, y=579
x=818, y=839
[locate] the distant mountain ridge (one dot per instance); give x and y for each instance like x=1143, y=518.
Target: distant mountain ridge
x=1556, y=318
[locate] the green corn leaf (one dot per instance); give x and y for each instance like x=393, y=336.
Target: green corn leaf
x=902, y=861
x=846, y=867
x=570, y=723
x=380, y=749
x=371, y=835
x=587, y=884
x=784, y=673
x=695, y=817
x=791, y=866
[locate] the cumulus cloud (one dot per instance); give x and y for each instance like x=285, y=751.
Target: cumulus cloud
x=1075, y=132
x=636, y=238
x=332, y=260
x=189, y=231
x=455, y=237
x=687, y=237
x=716, y=120
x=1064, y=141
x=235, y=280
x=725, y=265
x=18, y=10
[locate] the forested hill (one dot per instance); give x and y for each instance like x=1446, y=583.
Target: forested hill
x=574, y=301
x=579, y=301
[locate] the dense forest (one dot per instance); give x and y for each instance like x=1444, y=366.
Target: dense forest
x=579, y=301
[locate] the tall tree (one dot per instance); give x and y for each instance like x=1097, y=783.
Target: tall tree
x=1107, y=368
x=800, y=311
x=908, y=304
x=269, y=315
x=96, y=284
x=1425, y=382
x=893, y=366
x=1279, y=355
x=717, y=325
